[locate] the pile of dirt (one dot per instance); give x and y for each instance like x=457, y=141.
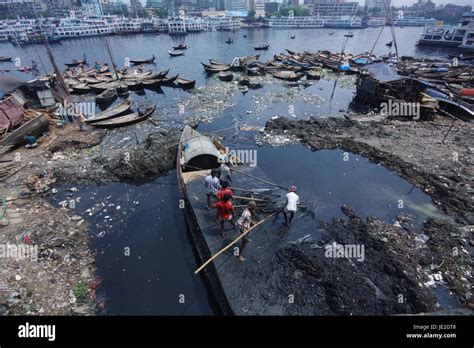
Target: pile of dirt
x=392, y=276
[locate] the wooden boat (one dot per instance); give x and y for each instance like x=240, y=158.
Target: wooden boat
x=81, y=88
x=290, y=52
x=103, y=86
x=229, y=41
x=287, y=75
x=122, y=87
x=226, y=76
x=312, y=75
x=119, y=110
x=143, y=61
x=163, y=73
x=106, y=96
x=168, y=80
x=216, y=62
x=76, y=62
x=104, y=68
x=5, y=59
x=133, y=84
x=244, y=81
x=181, y=46
x=126, y=120
x=176, y=53
x=90, y=80
x=36, y=127
x=262, y=47
x=216, y=69
x=183, y=83
x=293, y=37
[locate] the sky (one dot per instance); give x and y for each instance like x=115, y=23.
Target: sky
x=437, y=2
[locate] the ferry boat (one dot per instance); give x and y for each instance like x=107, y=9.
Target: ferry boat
x=293, y=22
x=414, y=22
x=449, y=35
x=341, y=21
x=376, y=22
x=84, y=27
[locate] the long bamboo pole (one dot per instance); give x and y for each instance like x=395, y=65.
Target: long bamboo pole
x=251, y=199
x=257, y=178
x=233, y=242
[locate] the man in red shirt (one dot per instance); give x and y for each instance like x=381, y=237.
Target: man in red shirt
x=224, y=212
x=223, y=190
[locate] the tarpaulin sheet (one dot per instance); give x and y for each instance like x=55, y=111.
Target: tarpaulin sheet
x=383, y=72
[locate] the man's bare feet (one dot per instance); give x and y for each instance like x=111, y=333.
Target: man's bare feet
x=241, y=258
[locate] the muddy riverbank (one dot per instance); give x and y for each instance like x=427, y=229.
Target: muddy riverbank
x=59, y=279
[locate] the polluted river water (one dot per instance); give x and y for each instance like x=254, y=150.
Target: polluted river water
x=144, y=256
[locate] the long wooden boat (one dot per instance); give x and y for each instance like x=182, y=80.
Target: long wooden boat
x=126, y=120
x=76, y=62
x=226, y=278
x=262, y=47
x=183, y=83
x=143, y=61
x=168, y=80
x=5, y=59
x=106, y=96
x=216, y=69
x=226, y=76
x=81, y=88
x=287, y=75
x=36, y=127
x=312, y=75
x=181, y=46
x=176, y=53
x=163, y=73
x=119, y=110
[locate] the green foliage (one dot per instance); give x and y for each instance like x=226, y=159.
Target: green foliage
x=160, y=12
x=298, y=11
x=80, y=291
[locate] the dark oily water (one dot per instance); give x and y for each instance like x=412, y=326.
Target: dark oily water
x=144, y=257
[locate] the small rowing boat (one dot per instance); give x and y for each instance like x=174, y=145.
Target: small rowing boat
x=226, y=76
x=176, y=53
x=183, y=83
x=106, y=96
x=143, y=61
x=126, y=120
x=120, y=109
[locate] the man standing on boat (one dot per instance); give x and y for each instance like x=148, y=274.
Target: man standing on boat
x=225, y=172
x=245, y=222
x=292, y=201
x=224, y=189
x=211, y=182
x=224, y=212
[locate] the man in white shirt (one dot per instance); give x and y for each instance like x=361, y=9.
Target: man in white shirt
x=292, y=201
x=211, y=182
x=225, y=172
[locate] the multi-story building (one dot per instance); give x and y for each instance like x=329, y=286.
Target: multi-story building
x=237, y=5
x=135, y=6
x=22, y=8
x=332, y=7
x=378, y=5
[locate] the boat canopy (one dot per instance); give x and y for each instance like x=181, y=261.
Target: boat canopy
x=198, y=150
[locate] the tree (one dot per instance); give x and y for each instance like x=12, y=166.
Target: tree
x=251, y=16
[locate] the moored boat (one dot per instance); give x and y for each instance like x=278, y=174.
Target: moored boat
x=183, y=83
x=106, y=96
x=226, y=76
x=181, y=46
x=263, y=47
x=176, y=53
x=36, y=127
x=143, y=61
x=126, y=120
x=119, y=110
x=312, y=75
x=287, y=75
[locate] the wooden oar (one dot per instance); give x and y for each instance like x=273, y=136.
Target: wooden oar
x=233, y=242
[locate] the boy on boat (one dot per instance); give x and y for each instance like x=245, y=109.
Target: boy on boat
x=225, y=172
x=224, y=212
x=224, y=189
x=211, y=182
x=245, y=222
x=292, y=201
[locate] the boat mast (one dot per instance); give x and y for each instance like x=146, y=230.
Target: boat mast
x=390, y=18
x=59, y=76
x=107, y=45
